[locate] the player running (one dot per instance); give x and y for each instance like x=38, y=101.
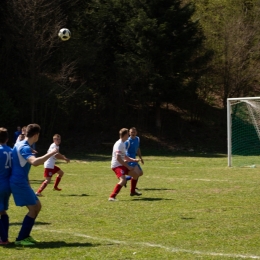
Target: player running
x=50, y=168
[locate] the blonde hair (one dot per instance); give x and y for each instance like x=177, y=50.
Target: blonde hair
x=56, y=136
x=123, y=132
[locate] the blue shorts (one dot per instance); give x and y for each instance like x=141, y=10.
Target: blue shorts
x=133, y=164
x=23, y=194
x=5, y=193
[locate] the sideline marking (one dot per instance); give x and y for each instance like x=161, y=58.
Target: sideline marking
x=171, y=249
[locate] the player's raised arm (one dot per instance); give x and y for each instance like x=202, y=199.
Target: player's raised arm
x=36, y=161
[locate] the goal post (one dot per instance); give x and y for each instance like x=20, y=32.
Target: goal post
x=243, y=131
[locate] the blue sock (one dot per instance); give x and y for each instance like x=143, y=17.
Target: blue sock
x=128, y=178
x=5, y=222
x=26, y=228
x=3, y=233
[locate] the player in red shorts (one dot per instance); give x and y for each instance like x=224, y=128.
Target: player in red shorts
x=50, y=168
x=121, y=168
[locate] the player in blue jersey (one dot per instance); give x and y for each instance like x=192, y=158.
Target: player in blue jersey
x=132, y=145
x=23, y=194
x=5, y=191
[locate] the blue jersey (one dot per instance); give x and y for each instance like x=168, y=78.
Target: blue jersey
x=5, y=172
x=5, y=165
x=20, y=167
x=132, y=146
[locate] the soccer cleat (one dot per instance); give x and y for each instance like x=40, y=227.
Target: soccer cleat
x=4, y=243
x=24, y=242
x=136, y=193
x=38, y=194
x=56, y=188
x=31, y=239
x=112, y=199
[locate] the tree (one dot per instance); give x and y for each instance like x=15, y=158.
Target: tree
x=232, y=31
x=144, y=51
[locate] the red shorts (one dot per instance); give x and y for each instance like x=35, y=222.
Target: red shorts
x=49, y=172
x=120, y=170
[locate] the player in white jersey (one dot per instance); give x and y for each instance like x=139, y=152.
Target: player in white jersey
x=121, y=168
x=50, y=168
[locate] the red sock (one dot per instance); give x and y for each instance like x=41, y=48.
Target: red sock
x=116, y=191
x=57, y=181
x=42, y=187
x=133, y=185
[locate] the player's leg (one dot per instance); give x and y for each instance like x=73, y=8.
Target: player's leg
x=135, y=173
x=120, y=173
x=4, y=218
x=3, y=228
x=141, y=173
x=34, y=208
x=43, y=185
x=128, y=178
x=60, y=173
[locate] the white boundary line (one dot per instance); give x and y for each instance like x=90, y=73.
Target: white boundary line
x=171, y=249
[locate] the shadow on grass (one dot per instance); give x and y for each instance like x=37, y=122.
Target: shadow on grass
x=149, y=199
x=155, y=189
x=36, y=181
x=52, y=244
x=187, y=218
x=35, y=224
x=75, y=195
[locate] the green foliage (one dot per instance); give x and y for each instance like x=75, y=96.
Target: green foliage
x=126, y=60
x=232, y=32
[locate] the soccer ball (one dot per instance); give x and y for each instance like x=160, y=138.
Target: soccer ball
x=64, y=34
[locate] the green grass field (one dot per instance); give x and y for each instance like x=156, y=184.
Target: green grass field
x=192, y=207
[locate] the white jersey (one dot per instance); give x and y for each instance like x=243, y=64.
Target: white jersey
x=119, y=148
x=51, y=161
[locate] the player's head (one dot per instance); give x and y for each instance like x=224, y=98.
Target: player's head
x=133, y=132
x=24, y=129
x=123, y=134
x=3, y=135
x=33, y=131
x=57, y=139
x=18, y=128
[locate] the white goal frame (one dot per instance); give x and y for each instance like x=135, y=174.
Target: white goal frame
x=229, y=125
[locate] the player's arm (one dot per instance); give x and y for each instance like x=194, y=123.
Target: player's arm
x=62, y=157
x=129, y=159
x=140, y=155
x=36, y=161
x=122, y=162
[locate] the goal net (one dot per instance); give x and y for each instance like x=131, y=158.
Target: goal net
x=243, y=123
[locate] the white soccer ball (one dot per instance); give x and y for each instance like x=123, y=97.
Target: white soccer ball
x=64, y=34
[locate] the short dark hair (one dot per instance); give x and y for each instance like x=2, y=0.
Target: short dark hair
x=123, y=132
x=133, y=128
x=3, y=135
x=32, y=129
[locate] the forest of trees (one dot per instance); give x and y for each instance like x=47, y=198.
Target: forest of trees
x=164, y=66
